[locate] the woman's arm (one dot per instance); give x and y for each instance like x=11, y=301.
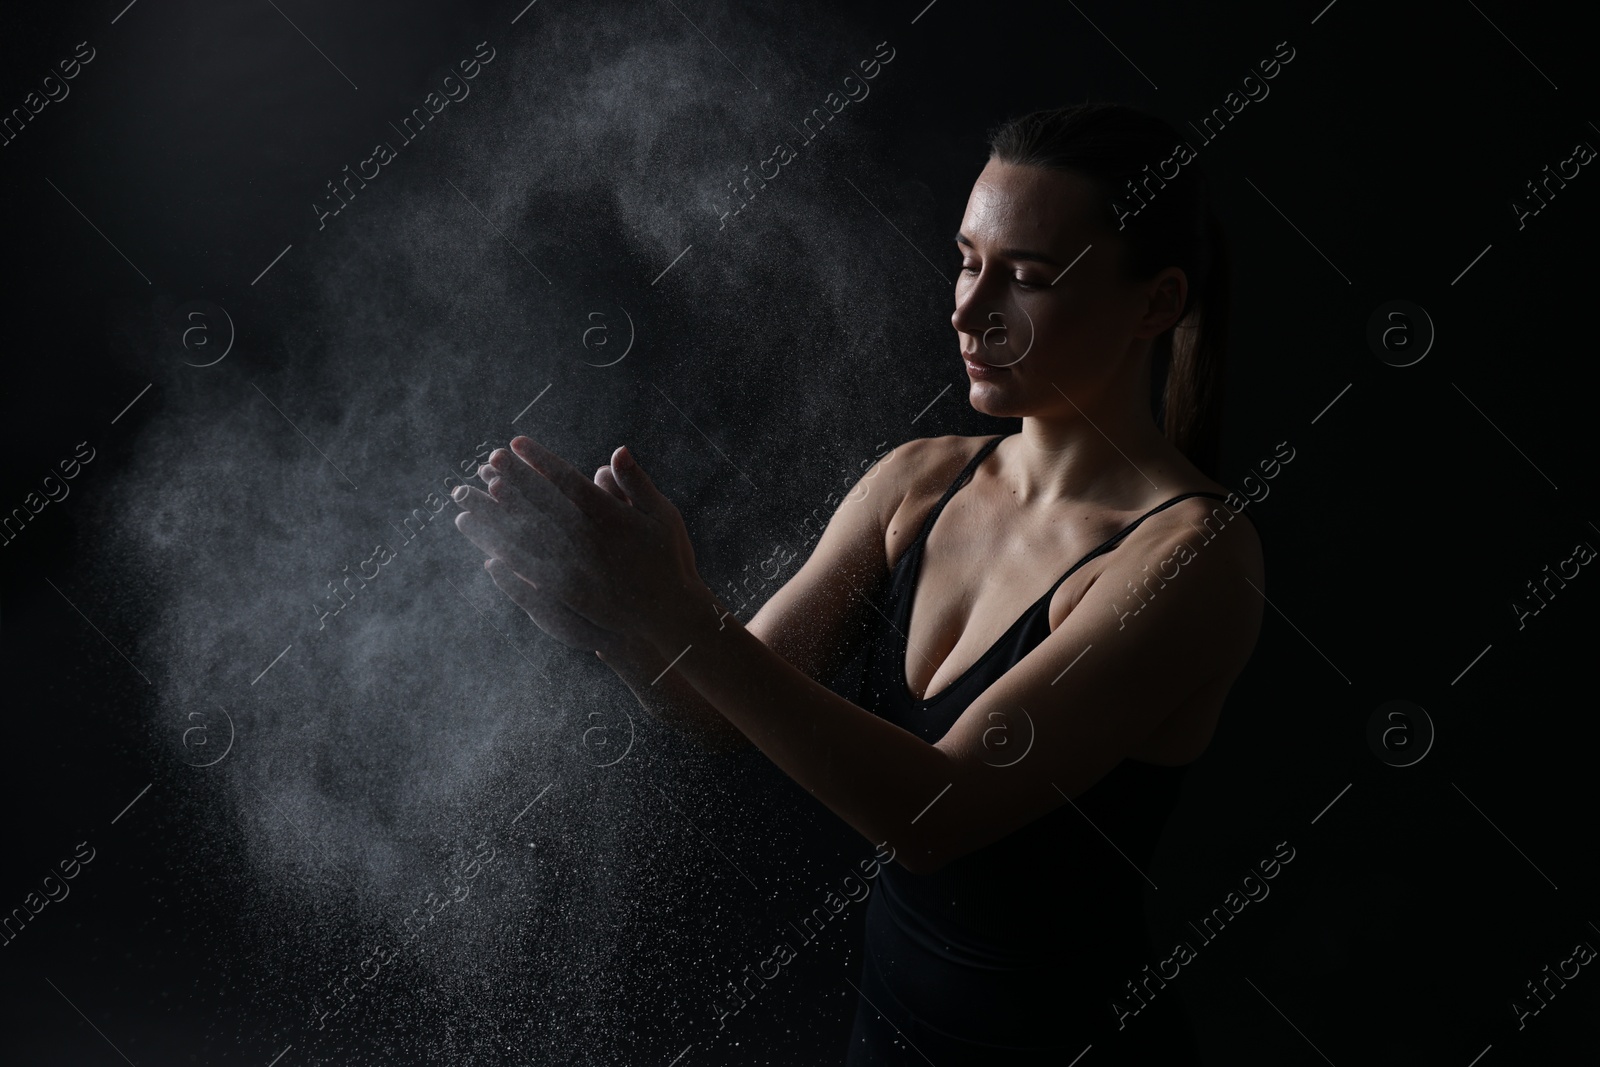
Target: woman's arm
x=668, y=697
x=599, y=567
x=810, y=621
x=1089, y=693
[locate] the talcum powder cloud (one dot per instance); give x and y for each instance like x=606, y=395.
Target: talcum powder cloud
x=372, y=757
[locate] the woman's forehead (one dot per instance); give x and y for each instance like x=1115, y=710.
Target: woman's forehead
x=1022, y=206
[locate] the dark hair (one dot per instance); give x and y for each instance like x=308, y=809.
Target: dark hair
x=1119, y=148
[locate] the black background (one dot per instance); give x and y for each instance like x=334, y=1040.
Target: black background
x=1416, y=507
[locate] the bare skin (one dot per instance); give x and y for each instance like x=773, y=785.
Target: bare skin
x=1075, y=339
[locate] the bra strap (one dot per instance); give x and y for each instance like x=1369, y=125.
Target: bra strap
x=961, y=480
x=1117, y=538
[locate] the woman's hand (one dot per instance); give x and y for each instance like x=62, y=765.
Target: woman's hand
x=597, y=565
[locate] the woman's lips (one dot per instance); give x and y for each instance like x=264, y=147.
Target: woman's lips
x=982, y=371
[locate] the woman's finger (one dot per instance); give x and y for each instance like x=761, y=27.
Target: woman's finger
x=510, y=481
x=608, y=481
x=537, y=533
x=554, y=470
x=471, y=498
x=637, y=484
x=548, y=613
x=486, y=529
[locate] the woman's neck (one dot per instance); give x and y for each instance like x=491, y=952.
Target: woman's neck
x=1103, y=458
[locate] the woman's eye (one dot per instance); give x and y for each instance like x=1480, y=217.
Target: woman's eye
x=1024, y=283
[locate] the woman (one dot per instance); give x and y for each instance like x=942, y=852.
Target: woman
x=1019, y=768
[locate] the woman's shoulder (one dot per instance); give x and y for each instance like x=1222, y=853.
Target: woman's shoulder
x=1194, y=514
x=938, y=460
x=924, y=467
x=903, y=483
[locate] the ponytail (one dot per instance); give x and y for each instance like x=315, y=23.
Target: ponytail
x=1195, y=350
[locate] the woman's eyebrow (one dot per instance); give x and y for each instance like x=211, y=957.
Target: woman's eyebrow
x=1013, y=253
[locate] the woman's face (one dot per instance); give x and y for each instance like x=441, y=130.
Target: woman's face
x=1041, y=307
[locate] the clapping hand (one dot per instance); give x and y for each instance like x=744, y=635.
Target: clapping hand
x=600, y=564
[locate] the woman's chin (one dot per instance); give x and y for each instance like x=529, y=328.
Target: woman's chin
x=992, y=398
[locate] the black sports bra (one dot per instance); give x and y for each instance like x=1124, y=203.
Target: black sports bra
x=1053, y=873
x=1031, y=627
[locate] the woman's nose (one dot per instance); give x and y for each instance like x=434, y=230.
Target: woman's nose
x=969, y=317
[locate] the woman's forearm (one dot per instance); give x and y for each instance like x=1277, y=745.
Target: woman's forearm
x=666, y=695
x=873, y=774
x=671, y=699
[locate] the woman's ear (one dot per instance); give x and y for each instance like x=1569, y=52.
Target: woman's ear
x=1166, y=299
